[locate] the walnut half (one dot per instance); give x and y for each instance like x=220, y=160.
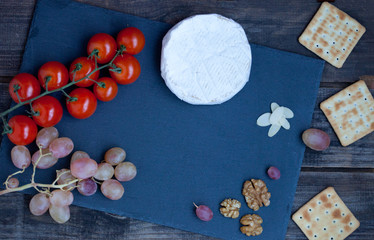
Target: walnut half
x=256, y=194
x=230, y=208
x=252, y=225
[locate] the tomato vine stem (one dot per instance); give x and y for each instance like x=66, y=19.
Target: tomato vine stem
x=8, y=129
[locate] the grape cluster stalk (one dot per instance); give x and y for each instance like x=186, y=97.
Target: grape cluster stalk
x=84, y=174
x=33, y=184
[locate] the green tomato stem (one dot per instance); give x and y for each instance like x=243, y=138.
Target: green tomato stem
x=115, y=56
x=47, y=92
x=18, y=97
x=32, y=111
x=7, y=129
x=101, y=84
x=94, y=53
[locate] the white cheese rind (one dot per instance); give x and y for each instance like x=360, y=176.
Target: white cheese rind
x=206, y=59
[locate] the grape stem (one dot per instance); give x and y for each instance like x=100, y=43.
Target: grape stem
x=195, y=205
x=35, y=185
x=58, y=176
x=11, y=175
x=6, y=127
x=35, y=164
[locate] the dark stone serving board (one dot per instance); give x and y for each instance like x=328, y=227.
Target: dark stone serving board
x=184, y=153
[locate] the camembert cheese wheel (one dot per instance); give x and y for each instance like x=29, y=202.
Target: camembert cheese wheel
x=206, y=59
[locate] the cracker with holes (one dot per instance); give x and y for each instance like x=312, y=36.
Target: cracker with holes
x=326, y=217
x=332, y=34
x=350, y=112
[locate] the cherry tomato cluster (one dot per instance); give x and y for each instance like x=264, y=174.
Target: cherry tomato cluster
x=46, y=111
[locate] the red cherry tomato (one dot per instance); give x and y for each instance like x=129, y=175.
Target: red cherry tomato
x=84, y=106
x=132, y=39
x=24, y=130
x=129, y=69
x=56, y=72
x=105, y=46
x=109, y=92
x=27, y=85
x=49, y=110
x=87, y=66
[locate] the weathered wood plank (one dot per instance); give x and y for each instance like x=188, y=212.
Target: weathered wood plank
x=5, y=99
x=272, y=23
x=358, y=155
x=15, y=18
x=355, y=189
x=16, y=222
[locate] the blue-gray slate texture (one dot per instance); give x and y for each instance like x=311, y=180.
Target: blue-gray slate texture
x=183, y=153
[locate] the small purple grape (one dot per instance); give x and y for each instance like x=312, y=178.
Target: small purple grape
x=204, y=213
x=87, y=187
x=274, y=173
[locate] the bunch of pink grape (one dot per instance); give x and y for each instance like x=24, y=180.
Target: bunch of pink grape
x=52, y=148
x=83, y=167
x=84, y=173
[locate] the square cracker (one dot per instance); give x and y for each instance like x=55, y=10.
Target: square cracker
x=350, y=112
x=332, y=34
x=326, y=217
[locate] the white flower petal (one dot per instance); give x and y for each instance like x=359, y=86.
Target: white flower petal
x=263, y=120
x=273, y=130
x=288, y=113
x=284, y=123
x=274, y=106
x=276, y=115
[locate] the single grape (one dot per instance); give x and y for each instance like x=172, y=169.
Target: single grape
x=87, y=187
x=115, y=155
x=112, y=189
x=79, y=154
x=83, y=168
x=65, y=177
x=20, y=156
x=61, y=147
x=39, y=204
x=61, y=198
x=13, y=183
x=59, y=214
x=274, y=173
x=46, y=136
x=316, y=139
x=44, y=162
x=203, y=212
x=104, y=171
x=125, y=171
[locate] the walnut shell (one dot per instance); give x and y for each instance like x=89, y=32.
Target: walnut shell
x=252, y=225
x=256, y=194
x=230, y=208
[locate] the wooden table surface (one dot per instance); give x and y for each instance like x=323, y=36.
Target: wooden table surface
x=273, y=23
